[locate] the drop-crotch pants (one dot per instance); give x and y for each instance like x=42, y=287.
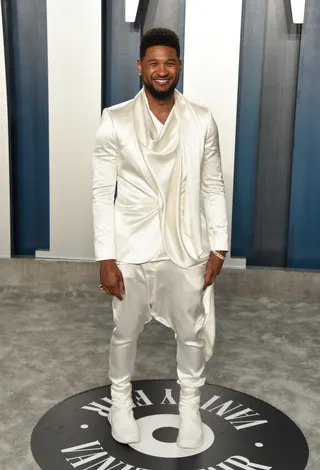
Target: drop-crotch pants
x=172, y=295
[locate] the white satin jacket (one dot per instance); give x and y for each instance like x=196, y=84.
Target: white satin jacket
x=191, y=220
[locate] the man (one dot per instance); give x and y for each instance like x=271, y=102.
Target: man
x=163, y=242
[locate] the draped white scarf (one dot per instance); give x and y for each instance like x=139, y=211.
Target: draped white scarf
x=179, y=139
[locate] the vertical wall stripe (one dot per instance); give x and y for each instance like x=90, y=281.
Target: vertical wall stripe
x=181, y=34
x=28, y=103
x=41, y=155
x=74, y=65
x=278, y=105
x=248, y=121
x=121, y=41
x=5, y=232
x=304, y=235
x=212, y=48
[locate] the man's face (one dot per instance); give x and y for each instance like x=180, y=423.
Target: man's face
x=160, y=70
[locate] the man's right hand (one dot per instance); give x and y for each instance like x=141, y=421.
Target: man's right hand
x=111, y=278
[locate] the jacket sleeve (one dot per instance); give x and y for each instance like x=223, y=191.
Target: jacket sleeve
x=213, y=190
x=104, y=184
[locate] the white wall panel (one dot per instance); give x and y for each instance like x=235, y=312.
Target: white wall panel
x=5, y=244
x=298, y=10
x=211, y=74
x=74, y=64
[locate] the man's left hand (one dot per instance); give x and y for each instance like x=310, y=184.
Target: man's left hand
x=214, y=266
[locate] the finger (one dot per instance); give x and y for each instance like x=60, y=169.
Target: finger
x=117, y=293
x=206, y=283
x=213, y=277
x=106, y=289
x=122, y=286
x=207, y=276
x=210, y=280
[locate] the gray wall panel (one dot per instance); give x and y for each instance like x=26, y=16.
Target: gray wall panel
x=164, y=14
x=277, y=118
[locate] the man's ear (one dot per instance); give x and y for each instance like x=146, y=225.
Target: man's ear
x=139, y=66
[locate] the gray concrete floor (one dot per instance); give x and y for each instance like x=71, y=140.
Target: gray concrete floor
x=54, y=344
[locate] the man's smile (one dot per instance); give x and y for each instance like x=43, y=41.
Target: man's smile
x=162, y=81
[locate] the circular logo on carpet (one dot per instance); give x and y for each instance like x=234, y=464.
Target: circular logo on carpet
x=240, y=433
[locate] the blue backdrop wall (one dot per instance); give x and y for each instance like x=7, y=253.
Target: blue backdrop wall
x=276, y=201
x=25, y=37
x=304, y=234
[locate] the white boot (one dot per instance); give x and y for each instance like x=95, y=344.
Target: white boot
x=190, y=429
x=124, y=428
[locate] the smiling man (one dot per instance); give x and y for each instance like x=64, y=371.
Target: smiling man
x=164, y=240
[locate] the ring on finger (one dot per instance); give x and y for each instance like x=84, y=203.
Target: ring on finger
x=106, y=290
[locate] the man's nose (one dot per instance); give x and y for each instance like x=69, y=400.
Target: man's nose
x=162, y=70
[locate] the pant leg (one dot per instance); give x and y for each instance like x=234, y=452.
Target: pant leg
x=129, y=316
x=179, y=301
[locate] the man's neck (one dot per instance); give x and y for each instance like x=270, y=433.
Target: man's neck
x=160, y=108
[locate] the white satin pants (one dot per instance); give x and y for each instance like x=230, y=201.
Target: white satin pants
x=172, y=295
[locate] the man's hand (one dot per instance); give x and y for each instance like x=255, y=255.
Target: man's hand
x=111, y=278
x=214, y=266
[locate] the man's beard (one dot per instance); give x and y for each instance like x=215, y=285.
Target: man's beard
x=161, y=94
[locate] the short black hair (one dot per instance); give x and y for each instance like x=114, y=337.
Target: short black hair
x=159, y=37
